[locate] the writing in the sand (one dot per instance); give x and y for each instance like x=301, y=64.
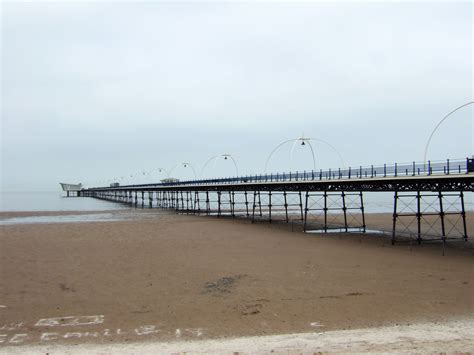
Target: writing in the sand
x=70, y=321
x=12, y=332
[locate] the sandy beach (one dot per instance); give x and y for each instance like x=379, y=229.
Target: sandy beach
x=165, y=278
x=447, y=337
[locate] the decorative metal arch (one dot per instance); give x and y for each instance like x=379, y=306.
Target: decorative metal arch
x=185, y=165
x=304, y=141
x=225, y=156
x=439, y=124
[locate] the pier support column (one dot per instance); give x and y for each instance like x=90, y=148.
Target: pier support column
x=301, y=205
x=305, y=211
x=246, y=204
x=208, y=204
x=269, y=206
x=256, y=201
x=344, y=209
x=362, y=211
x=418, y=216
x=189, y=202
x=395, y=216
x=463, y=215
x=196, y=206
x=232, y=203
x=181, y=199
x=325, y=211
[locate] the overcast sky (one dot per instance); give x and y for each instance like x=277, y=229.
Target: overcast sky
x=98, y=90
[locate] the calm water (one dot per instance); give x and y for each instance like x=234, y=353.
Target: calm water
x=35, y=201
x=73, y=218
x=51, y=201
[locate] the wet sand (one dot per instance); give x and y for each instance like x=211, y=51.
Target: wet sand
x=15, y=214
x=175, y=277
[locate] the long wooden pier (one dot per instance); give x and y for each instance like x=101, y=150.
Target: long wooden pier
x=428, y=203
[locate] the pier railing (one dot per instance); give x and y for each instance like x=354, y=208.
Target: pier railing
x=445, y=167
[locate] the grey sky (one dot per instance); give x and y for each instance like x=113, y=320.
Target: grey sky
x=96, y=90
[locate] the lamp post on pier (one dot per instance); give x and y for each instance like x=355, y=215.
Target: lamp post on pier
x=160, y=170
x=436, y=128
x=303, y=141
x=225, y=157
x=184, y=165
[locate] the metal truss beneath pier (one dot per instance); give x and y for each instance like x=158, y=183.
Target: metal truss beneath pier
x=429, y=216
x=334, y=210
x=425, y=207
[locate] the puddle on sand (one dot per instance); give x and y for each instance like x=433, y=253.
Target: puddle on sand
x=73, y=218
x=349, y=230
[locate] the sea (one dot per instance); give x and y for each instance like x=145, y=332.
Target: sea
x=21, y=201
x=50, y=201
x=56, y=201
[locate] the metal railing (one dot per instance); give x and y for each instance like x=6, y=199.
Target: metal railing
x=446, y=167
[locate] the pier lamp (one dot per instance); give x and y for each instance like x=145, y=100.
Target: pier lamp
x=128, y=179
x=184, y=165
x=225, y=157
x=163, y=170
x=160, y=170
x=437, y=126
x=148, y=175
x=303, y=141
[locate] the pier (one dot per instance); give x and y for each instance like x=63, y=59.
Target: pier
x=428, y=198
x=71, y=189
